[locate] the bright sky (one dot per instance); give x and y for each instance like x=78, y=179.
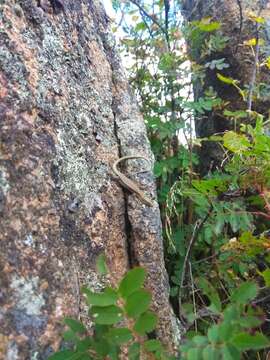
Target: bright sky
x=109, y=9
x=119, y=33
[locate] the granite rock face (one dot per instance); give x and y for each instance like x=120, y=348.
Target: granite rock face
x=66, y=114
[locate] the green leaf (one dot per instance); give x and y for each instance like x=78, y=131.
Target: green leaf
x=119, y=336
x=137, y=303
x=207, y=25
x=146, y=323
x=84, y=356
x=114, y=353
x=225, y=330
x=219, y=224
x=153, y=345
x=217, y=64
x=70, y=336
x=226, y=80
x=200, y=340
x=240, y=114
x=84, y=344
x=101, y=265
x=246, y=292
x=229, y=352
x=106, y=315
x=213, y=333
x=210, y=353
x=166, y=62
x=236, y=143
x=102, y=347
x=257, y=19
x=140, y=26
x=132, y=281
x=212, y=294
x=266, y=276
x=70, y=355
x=268, y=62
x=244, y=341
x=75, y=325
x=134, y=352
x=62, y=355
x=194, y=354
x=107, y=297
x=231, y=313
x=249, y=322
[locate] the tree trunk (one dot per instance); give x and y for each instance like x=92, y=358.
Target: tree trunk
x=66, y=115
x=237, y=25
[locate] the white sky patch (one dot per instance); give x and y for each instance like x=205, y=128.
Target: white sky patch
x=109, y=9
x=128, y=61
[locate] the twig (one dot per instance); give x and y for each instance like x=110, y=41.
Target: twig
x=254, y=72
x=202, y=313
x=167, y=9
x=141, y=8
x=194, y=9
x=255, y=302
x=241, y=24
x=206, y=258
x=146, y=24
x=198, y=225
x=241, y=16
x=260, y=213
x=193, y=296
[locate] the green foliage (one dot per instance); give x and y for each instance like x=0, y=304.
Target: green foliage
x=132, y=281
x=216, y=227
x=145, y=323
x=233, y=333
x=266, y=276
x=230, y=336
x=111, y=310
x=218, y=64
x=224, y=216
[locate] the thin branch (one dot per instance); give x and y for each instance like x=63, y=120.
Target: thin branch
x=143, y=11
x=146, y=24
x=202, y=313
x=255, y=302
x=193, y=296
x=194, y=9
x=256, y=60
x=198, y=225
x=167, y=9
x=240, y=25
x=254, y=71
x=241, y=16
x=260, y=213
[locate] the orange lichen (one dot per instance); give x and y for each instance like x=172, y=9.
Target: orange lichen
x=29, y=55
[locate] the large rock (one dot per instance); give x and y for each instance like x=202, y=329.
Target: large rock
x=66, y=115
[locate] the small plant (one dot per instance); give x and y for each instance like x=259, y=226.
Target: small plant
x=216, y=227
x=234, y=329
x=121, y=317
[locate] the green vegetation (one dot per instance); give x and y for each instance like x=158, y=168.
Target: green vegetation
x=120, y=316
x=216, y=227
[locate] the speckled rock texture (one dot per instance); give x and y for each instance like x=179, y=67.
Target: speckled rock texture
x=66, y=114
x=234, y=16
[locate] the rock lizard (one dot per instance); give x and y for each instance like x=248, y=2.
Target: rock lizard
x=129, y=184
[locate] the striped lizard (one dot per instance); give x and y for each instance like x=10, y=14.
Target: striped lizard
x=129, y=184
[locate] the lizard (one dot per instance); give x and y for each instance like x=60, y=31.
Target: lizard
x=129, y=184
